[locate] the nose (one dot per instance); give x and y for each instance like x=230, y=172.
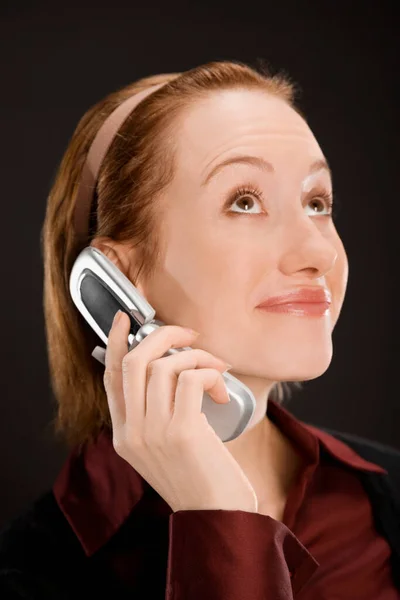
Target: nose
x=306, y=249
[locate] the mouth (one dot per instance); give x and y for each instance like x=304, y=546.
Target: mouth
x=299, y=309
x=307, y=302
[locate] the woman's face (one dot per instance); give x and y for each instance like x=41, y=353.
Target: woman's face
x=227, y=250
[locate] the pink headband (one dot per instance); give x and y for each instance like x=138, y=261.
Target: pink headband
x=95, y=156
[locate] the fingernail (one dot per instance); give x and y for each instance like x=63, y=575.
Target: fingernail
x=192, y=331
x=227, y=396
x=117, y=317
x=228, y=368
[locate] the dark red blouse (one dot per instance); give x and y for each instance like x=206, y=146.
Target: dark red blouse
x=325, y=547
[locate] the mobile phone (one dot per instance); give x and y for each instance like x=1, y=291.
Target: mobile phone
x=99, y=289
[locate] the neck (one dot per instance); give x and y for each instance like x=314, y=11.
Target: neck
x=265, y=454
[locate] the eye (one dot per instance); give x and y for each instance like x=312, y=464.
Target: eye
x=324, y=199
x=246, y=198
x=243, y=196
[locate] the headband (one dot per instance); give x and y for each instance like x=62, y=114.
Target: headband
x=95, y=157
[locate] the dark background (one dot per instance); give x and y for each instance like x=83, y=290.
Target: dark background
x=57, y=59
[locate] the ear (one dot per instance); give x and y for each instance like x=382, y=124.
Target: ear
x=120, y=254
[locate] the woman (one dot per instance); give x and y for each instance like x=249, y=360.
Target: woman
x=214, y=197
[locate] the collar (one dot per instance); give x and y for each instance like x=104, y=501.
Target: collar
x=310, y=438
x=97, y=490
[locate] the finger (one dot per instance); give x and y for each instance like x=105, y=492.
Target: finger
x=113, y=383
x=160, y=340
x=190, y=388
x=136, y=362
x=162, y=376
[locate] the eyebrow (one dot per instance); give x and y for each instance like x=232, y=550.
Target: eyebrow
x=264, y=165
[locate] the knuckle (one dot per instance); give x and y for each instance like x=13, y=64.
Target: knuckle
x=166, y=331
x=214, y=373
x=118, y=445
x=203, y=354
x=107, y=377
x=170, y=332
x=130, y=361
x=137, y=444
x=154, y=367
x=180, y=438
x=186, y=376
x=218, y=374
x=153, y=441
x=206, y=359
x=127, y=445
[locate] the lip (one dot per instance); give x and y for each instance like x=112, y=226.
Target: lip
x=316, y=295
x=303, y=302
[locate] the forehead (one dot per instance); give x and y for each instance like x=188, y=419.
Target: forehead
x=231, y=120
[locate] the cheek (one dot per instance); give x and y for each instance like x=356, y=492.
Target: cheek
x=199, y=250
x=337, y=280
x=197, y=274
x=209, y=276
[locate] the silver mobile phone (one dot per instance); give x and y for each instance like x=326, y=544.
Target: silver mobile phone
x=99, y=289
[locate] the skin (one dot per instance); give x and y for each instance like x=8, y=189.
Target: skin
x=221, y=262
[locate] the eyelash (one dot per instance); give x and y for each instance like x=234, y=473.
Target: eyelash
x=255, y=191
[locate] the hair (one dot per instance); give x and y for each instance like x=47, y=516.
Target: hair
x=137, y=168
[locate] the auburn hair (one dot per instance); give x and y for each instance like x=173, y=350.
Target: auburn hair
x=137, y=167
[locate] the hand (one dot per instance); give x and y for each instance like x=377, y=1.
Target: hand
x=158, y=427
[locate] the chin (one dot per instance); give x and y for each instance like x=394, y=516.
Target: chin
x=305, y=375
x=304, y=362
